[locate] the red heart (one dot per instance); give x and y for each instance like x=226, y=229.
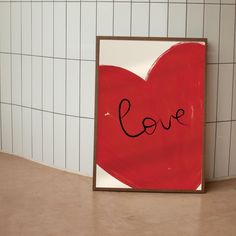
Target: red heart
x=167, y=159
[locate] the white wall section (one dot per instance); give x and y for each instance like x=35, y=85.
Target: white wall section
x=47, y=73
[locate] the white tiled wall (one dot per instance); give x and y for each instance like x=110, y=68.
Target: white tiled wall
x=47, y=72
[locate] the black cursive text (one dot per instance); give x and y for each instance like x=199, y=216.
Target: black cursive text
x=148, y=123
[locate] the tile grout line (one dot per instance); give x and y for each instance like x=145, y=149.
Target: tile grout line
x=66, y=85
x=11, y=76
x=1, y=99
x=22, y=136
x=167, y=18
x=149, y=17
x=44, y=56
x=186, y=19
x=80, y=64
x=204, y=12
x=232, y=95
x=95, y=40
x=37, y=109
x=218, y=121
x=131, y=16
x=120, y=1
x=42, y=70
x=32, y=145
x=127, y=1
x=1, y=135
x=217, y=92
x=113, y=17
x=53, y=90
x=204, y=157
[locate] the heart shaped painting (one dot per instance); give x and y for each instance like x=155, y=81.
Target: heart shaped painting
x=149, y=117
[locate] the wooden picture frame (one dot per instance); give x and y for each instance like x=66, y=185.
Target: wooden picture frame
x=149, y=114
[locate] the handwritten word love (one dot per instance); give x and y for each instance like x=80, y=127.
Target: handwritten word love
x=148, y=123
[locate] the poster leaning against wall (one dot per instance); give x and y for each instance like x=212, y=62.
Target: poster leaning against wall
x=149, y=114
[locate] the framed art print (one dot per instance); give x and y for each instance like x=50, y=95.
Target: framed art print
x=149, y=115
